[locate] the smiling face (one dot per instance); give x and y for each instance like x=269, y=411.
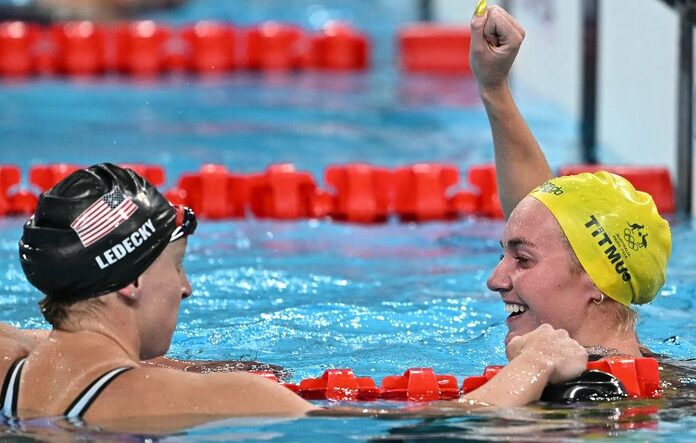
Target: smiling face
x=538, y=276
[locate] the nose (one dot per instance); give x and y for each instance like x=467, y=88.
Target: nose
x=186, y=289
x=499, y=280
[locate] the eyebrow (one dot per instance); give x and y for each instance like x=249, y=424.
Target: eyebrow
x=515, y=242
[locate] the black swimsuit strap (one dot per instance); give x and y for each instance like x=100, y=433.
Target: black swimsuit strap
x=10, y=388
x=79, y=406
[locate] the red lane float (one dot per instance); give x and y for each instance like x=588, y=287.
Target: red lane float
x=212, y=46
x=420, y=384
x=340, y=47
x=482, y=177
x=80, y=48
x=17, y=48
x=23, y=202
x=338, y=385
x=146, y=48
x=640, y=376
x=655, y=181
x=420, y=192
x=275, y=46
x=282, y=192
x=9, y=177
x=213, y=192
x=141, y=48
x=476, y=381
x=362, y=192
x=435, y=49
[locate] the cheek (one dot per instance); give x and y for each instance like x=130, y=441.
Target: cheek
x=542, y=291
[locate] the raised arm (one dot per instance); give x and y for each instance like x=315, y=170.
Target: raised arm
x=520, y=165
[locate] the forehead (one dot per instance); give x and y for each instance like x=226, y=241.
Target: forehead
x=532, y=223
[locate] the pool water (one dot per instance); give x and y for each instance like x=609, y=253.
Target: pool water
x=315, y=294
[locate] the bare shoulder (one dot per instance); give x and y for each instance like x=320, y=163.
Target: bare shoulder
x=157, y=391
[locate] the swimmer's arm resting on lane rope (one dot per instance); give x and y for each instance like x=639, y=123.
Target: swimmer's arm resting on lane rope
x=496, y=38
x=206, y=367
x=520, y=382
x=543, y=356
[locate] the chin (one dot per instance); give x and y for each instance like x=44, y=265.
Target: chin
x=154, y=350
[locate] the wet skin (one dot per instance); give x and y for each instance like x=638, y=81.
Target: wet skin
x=164, y=284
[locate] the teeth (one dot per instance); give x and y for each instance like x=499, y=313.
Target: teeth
x=513, y=308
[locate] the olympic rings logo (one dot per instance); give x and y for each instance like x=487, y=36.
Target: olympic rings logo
x=634, y=236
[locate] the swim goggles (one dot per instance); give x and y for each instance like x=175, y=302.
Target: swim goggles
x=185, y=222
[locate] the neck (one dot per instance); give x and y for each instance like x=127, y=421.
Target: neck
x=117, y=327
x=601, y=334
x=623, y=348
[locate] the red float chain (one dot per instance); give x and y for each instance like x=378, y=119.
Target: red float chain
x=640, y=377
x=435, y=49
x=360, y=193
x=146, y=48
x=149, y=48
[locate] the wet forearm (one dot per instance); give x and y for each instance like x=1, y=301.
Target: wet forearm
x=520, y=382
x=520, y=163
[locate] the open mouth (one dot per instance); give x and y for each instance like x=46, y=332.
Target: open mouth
x=515, y=309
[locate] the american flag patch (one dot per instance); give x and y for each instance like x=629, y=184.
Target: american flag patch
x=103, y=216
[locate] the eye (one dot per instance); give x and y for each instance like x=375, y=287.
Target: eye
x=501, y=257
x=522, y=261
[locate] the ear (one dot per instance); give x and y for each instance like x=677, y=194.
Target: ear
x=593, y=294
x=130, y=292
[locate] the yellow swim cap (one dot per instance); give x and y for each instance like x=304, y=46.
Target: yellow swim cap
x=616, y=232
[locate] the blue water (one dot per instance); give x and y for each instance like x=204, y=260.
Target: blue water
x=310, y=295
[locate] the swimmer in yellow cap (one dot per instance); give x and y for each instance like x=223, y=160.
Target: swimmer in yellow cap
x=578, y=251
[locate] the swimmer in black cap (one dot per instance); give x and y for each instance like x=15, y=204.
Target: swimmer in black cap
x=106, y=249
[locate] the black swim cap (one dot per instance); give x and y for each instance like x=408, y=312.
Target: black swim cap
x=96, y=231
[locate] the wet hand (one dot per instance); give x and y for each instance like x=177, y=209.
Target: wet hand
x=496, y=38
x=551, y=349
